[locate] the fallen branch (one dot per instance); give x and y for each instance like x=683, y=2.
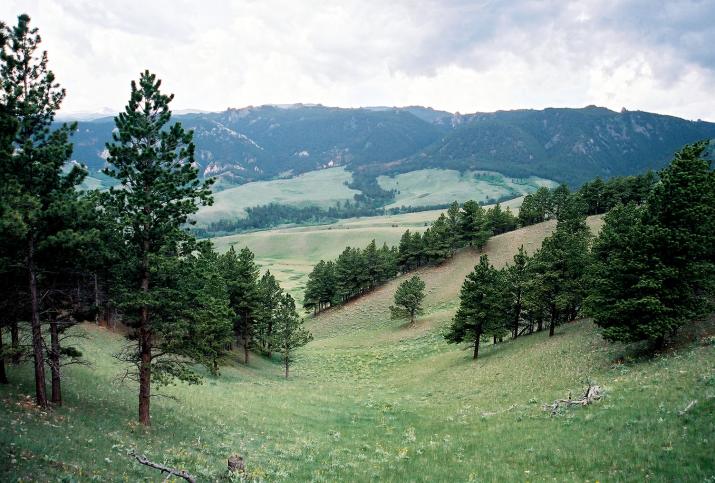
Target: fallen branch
x=688, y=407
x=164, y=469
x=592, y=393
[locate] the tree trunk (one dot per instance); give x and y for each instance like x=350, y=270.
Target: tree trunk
x=540, y=325
x=144, y=373
x=96, y=299
x=495, y=340
x=37, y=349
x=145, y=346
x=287, y=363
x=246, y=342
x=3, y=374
x=552, y=322
x=55, y=362
x=270, y=335
x=15, y=342
x=476, y=348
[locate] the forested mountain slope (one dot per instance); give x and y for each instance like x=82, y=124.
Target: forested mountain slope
x=567, y=145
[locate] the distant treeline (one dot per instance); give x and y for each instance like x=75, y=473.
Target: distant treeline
x=357, y=271
x=275, y=214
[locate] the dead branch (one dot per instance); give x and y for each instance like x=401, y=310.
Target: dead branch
x=688, y=407
x=164, y=469
x=592, y=393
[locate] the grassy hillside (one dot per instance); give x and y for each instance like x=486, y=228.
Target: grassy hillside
x=373, y=400
x=427, y=187
x=291, y=253
x=317, y=188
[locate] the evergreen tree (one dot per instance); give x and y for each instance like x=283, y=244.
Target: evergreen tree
x=269, y=297
x=201, y=306
x=408, y=299
x=289, y=333
x=654, y=266
x=536, y=207
x=388, y=263
x=154, y=163
x=500, y=221
x=516, y=280
x=404, y=251
x=240, y=273
x=480, y=307
x=34, y=185
x=439, y=247
x=453, y=224
x=560, y=266
x=372, y=263
x=474, y=226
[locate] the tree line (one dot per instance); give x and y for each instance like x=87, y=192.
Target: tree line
x=357, y=271
x=68, y=255
x=276, y=214
x=649, y=272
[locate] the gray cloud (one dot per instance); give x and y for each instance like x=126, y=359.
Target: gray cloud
x=450, y=54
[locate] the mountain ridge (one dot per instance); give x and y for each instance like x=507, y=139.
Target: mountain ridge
x=570, y=145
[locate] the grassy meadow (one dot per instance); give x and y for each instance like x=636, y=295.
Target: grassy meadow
x=371, y=399
x=427, y=187
x=291, y=253
x=327, y=187
x=315, y=188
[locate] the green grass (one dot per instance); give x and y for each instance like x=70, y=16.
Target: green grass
x=291, y=253
x=438, y=186
x=316, y=188
x=326, y=187
x=371, y=399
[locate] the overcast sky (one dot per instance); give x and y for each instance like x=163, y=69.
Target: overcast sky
x=456, y=55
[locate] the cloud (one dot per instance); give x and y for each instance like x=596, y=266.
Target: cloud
x=457, y=55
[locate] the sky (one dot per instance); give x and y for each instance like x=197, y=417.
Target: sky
x=456, y=55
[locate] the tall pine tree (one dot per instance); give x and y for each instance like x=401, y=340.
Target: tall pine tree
x=153, y=161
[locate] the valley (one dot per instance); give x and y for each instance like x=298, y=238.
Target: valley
x=373, y=399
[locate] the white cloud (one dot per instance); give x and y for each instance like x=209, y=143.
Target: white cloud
x=457, y=55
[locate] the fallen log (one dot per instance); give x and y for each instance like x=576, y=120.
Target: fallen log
x=592, y=393
x=164, y=469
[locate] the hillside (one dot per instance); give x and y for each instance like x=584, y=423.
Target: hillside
x=291, y=253
x=371, y=399
x=566, y=145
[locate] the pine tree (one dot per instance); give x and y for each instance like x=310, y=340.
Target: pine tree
x=153, y=161
x=34, y=182
x=269, y=297
x=474, y=226
x=536, y=207
x=654, y=266
x=480, y=307
x=289, y=334
x=240, y=273
x=501, y=221
x=204, y=307
x=560, y=266
x=372, y=264
x=408, y=299
x=453, y=217
x=516, y=280
x=404, y=251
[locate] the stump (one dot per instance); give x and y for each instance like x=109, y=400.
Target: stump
x=236, y=464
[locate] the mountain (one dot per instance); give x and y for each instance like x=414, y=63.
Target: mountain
x=567, y=145
x=253, y=143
